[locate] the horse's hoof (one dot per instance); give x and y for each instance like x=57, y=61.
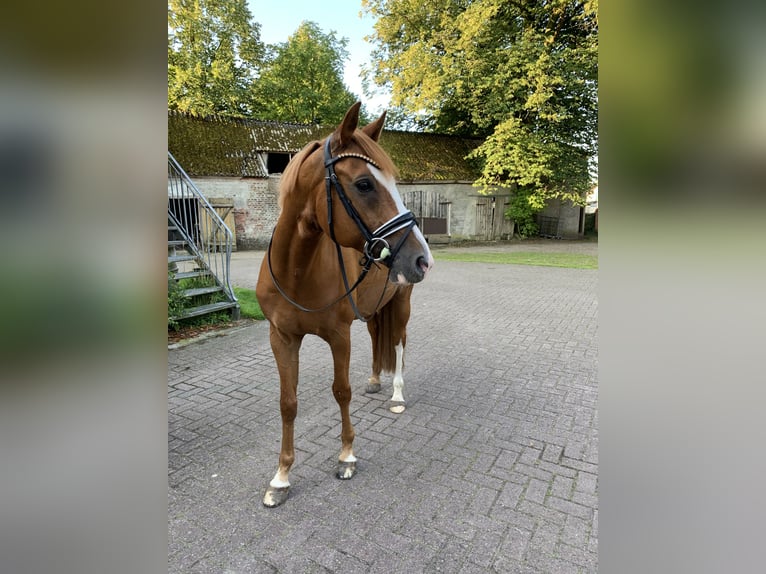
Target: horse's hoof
x=346, y=470
x=275, y=496
x=372, y=388
x=397, y=408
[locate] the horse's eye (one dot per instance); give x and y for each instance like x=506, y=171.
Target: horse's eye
x=364, y=186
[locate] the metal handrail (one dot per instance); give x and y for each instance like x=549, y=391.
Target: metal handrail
x=200, y=225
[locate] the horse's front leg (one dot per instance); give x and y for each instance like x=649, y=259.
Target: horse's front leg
x=340, y=343
x=286, y=350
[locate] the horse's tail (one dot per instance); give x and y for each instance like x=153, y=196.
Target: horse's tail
x=388, y=328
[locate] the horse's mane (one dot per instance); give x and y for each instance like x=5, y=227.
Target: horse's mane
x=366, y=144
x=290, y=175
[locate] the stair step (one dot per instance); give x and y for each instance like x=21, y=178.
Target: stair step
x=202, y=290
x=205, y=309
x=177, y=258
x=176, y=242
x=190, y=274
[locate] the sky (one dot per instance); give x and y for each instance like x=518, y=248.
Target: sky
x=279, y=19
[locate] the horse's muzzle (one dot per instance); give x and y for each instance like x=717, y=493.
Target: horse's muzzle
x=413, y=262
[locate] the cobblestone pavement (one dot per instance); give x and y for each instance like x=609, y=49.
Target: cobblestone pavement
x=493, y=467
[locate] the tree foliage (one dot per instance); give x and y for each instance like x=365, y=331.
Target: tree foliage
x=522, y=74
x=302, y=79
x=218, y=65
x=214, y=53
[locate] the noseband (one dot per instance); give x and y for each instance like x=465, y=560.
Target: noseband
x=373, y=240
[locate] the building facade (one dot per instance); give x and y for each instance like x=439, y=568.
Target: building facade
x=237, y=164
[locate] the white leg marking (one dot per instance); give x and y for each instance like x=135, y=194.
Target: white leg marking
x=398, y=379
x=349, y=458
x=279, y=482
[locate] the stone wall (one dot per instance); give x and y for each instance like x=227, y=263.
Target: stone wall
x=569, y=218
x=462, y=223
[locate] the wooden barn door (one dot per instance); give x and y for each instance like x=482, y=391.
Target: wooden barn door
x=491, y=223
x=431, y=211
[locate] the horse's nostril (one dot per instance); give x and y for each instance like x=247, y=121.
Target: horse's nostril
x=422, y=264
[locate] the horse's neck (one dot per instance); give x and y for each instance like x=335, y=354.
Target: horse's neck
x=306, y=246
x=309, y=255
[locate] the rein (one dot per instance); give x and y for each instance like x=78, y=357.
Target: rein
x=373, y=240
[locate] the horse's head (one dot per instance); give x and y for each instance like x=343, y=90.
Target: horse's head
x=362, y=208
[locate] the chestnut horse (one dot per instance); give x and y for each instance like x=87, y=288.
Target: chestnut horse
x=344, y=247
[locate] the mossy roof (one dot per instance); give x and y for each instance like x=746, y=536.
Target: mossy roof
x=218, y=146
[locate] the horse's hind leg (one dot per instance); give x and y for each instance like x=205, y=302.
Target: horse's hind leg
x=388, y=332
x=373, y=383
x=340, y=343
x=400, y=315
x=286, y=351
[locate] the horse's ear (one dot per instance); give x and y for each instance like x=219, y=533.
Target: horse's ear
x=348, y=126
x=375, y=128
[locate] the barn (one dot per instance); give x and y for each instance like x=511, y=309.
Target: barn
x=237, y=164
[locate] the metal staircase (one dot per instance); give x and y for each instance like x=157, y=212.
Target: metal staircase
x=199, y=248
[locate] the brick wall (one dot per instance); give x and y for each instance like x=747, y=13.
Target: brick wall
x=255, y=206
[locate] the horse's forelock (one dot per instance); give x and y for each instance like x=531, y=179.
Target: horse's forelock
x=366, y=145
x=372, y=149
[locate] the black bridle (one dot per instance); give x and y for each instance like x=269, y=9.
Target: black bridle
x=374, y=241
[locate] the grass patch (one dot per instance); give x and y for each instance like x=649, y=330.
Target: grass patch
x=570, y=260
x=248, y=304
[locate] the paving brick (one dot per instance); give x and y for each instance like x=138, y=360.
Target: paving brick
x=556, y=469
x=507, y=459
x=579, y=465
x=544, y=512
x=552, y=453
x=510, y=494
x=570, y=507
x=580, y=556
x=562, y=487
x=589, y=500
x=535, y=471
x=483, y=500
x=492, y=468
x=536, y=491
x=575, y=531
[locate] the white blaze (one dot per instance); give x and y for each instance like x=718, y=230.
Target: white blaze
x=389, y=183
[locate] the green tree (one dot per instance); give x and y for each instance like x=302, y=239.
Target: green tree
x=302, y=80
x=214, y=53
x=521, y=74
